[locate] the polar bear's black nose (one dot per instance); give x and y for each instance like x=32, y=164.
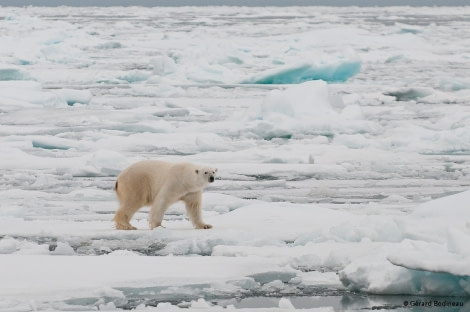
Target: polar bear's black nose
x=211, y=179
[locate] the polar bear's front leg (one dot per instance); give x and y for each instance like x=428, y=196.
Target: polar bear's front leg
x=193, y=209
x=159, y=207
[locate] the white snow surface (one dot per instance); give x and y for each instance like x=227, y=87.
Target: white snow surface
x=341, y=138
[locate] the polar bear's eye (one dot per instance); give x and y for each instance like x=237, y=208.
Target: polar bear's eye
x=205, y=172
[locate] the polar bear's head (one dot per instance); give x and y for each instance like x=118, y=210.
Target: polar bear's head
x=206, y=174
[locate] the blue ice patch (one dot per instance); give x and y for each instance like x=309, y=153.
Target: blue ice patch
x=298, y=73
x=8, y=74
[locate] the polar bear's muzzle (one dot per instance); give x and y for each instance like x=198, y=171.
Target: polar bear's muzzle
x=211, y=179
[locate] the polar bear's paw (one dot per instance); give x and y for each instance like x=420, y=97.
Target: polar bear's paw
x=154, y=224
x=203, y=226
x=126, y=227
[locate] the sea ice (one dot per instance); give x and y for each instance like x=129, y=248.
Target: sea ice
x=434, y=261
x=340, y=136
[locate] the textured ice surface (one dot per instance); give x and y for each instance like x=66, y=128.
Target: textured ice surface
x=432, y=260
x=346, y=172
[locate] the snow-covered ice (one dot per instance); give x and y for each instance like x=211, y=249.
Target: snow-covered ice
x=341, y=138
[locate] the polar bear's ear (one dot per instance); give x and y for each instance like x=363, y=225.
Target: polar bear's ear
x=215, y=169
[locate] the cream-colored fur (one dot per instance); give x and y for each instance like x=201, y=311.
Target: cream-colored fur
x=160, y=184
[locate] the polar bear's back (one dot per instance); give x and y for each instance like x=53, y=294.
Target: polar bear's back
x=141, y=181
x=151, y=168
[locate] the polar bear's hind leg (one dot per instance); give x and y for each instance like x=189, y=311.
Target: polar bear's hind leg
x=121, y=219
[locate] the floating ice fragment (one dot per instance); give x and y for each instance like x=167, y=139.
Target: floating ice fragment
x=101, y=163
x=426, y=265
x=212, y=142
x=9, y=72
x=63, y=54
x=200, y=304
x=273, y=276
x=309, y=99
x=454, y=84
x=410, y=30
x=433, y=271
x=122, y=253
x=353, y=141
x=352, y=112
x=395, y=198
x=63, y=249
x=410, y=94
x=163, y=65
x=172, y=112
x=134, y=76
x=28, y=93
x=72, y=96
x=373, y=275
x=8, y=245
x=436, y=262
x=334, y=71
x=307, y=108
x=166, y=306
x=396, y=59
x=46, y=144
x=110, y=306
x=207, y=72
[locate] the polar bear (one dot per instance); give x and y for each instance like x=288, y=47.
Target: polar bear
x=160, y=184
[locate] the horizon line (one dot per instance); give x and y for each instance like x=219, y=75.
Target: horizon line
x=235, y=3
